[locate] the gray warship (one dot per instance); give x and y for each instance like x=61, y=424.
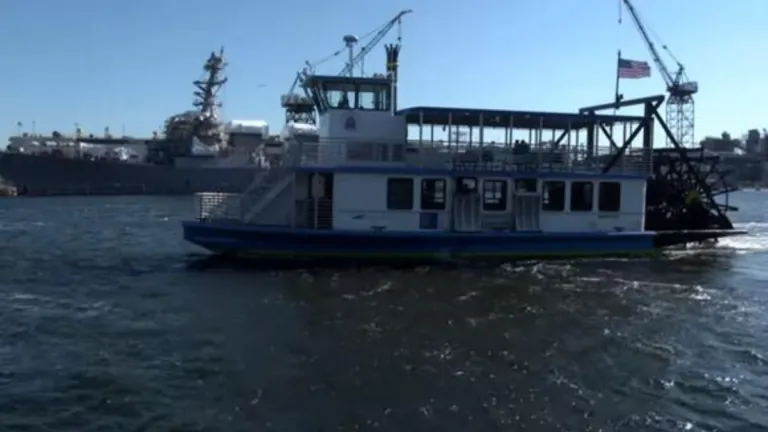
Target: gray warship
x=194, y=152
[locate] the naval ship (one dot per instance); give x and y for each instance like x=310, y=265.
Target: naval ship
x=194, y=152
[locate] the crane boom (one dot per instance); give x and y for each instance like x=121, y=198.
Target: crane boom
x=301, y=108
x=677, y=83
x=668, y=78
x=377, y=37
x=680, y=105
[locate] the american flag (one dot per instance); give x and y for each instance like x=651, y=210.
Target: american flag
x=633, y=69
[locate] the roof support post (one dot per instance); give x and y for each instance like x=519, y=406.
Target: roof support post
x=482, y=130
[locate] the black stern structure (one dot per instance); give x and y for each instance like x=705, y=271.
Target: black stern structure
x=687, y=194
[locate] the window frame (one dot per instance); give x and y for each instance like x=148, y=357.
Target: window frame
x=434, y=205
x=580, y=194
x=526, y=181
x=545, y=196
x=600, y=197
x=392, y=203
x=503, y=202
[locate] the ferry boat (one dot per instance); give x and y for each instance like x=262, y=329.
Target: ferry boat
x=368, y=191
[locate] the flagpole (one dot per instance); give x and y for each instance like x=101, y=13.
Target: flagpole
x=617, y=97
x=618, y=60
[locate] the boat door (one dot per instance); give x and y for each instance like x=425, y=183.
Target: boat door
x=321, y=197
x=526, y=205
x=465, y=211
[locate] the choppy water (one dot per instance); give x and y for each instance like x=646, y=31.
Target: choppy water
x=104, y=327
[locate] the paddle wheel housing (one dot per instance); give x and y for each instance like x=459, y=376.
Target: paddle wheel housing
x=687, y=190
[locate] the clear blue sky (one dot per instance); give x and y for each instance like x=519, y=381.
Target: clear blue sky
x=112, y=63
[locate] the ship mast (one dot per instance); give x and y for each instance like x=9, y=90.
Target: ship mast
x=206, y=96
x=202, y=122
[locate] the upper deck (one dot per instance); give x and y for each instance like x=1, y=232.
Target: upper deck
x=522, y=120
x=466, y=139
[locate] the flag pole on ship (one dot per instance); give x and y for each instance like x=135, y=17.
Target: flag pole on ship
x=617, y=95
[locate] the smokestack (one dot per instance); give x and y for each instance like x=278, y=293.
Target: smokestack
x=393, y=54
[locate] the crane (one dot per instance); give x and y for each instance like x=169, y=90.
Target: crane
x=378, y=34
x=300, y=108
x=680, y=107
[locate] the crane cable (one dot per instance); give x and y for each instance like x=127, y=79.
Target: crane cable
x=343, y=49
x=652, y=33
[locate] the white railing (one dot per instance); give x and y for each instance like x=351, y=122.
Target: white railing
x=470, y=156
x=215, y=205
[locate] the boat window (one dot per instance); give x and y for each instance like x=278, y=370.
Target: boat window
x=494, y=195
x=365, y=100
x=467, y=184
x=339, y=98
x=398, y=152
x=382, y=152
x=359, y=151
x=553, y=196
x=582, y=196
x=526, y=185
x=609, y=199
x=400, y=193
x=433, y=194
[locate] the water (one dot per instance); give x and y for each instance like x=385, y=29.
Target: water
x=104, y=326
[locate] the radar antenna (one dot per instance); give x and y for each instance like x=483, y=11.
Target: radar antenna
x=378, y=34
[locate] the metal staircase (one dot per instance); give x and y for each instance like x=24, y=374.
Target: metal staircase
x=217, y=206
x=262, y=191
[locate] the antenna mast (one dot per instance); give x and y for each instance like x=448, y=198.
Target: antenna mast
x=206, y=96
x=350, y=41
x=203, y=121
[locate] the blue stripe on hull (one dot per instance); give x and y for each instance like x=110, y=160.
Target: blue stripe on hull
x=293, y=244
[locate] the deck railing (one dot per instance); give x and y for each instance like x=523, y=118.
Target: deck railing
x=314, y=213
x=471, y=156
x=218, y=206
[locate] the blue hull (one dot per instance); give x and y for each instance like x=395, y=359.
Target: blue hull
x=286, y=244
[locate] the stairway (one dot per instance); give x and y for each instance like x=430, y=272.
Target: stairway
x=212, y=206
x=263, y=190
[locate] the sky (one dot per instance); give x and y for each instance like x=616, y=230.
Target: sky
x=128, y=65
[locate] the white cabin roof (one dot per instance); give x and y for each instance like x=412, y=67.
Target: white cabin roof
x=248, y=126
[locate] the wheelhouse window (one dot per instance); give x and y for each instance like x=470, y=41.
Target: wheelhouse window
x=400, y=193
x=553, y=196
x=433, y=194
x=609, y=197
x=494, y=195
x=352, y=95
x=582, y=196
